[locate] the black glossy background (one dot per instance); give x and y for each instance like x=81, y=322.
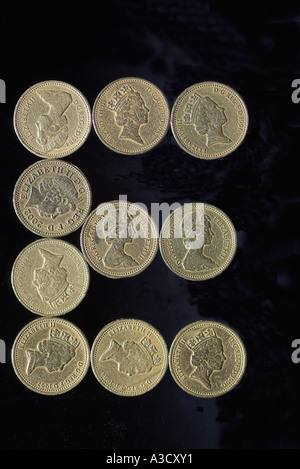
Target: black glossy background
x=174, y=44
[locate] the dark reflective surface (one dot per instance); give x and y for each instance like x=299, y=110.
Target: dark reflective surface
x=174, y=44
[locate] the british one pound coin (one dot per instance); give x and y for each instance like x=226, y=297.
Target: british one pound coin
x=119, y=239
x=52, y=119
x=131, y=116
x=52, y=198
x=50, y=356
x=129, y=357
x=209, y=120
x=207, y=359
x=50, y=277
x=197, y=241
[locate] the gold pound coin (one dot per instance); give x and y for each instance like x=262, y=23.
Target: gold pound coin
x=50, y=356
x=131, y=116
x=197, y=241
x=209, y=120
x=119, y=239
x=207, y=359
x=129, y=357
x=52, y=198
x=52, y=119
x=50, y=277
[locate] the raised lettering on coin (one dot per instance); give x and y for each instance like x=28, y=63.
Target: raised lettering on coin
x=129, y=357
x=50, y=356
x=207, y=359
x=131, y=116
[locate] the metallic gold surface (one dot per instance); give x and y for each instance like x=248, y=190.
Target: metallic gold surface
x=52, y=119
x=50, y=277
x=50, y=356
x=119, y=239
x=180, y=233
x=52, y=198
x=129, y=357
x=209, y=120
x=131, y=116
x=207, y=359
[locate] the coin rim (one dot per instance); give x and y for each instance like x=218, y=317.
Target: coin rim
x=217, y=271
x=19, y=214
x=133, y=273
x=18, y=372
x=147, y=147
x=176, y=135
x=70, y=307
x=130, y=320
x=16, y=119
x=207, y=323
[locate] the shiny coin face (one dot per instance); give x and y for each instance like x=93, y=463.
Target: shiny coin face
x=207, y=359
x=129, y=357
x=119, y=239
x=131, y=116
x=52, y=119
x=50, y=277
x=209, y=120
x=52, y=198
x=50, y=356
x=197, y=241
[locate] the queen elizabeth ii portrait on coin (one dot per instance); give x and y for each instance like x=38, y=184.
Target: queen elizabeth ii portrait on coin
x=118, y=233
x=132, y=357
x=53, y=196
x=131, y=113
x=52, y=128
x=208, y=119
x=53, y=353
x=207, y=356
x=51, y=280
x=195, y=258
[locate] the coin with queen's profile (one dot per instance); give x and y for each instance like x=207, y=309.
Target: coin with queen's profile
x=50, y=277
x=131, y=115
x=52, y=119
x=207, y=359
x=52, y=198
x=197, y=241
x=209, y=120
x=119, y=239
x=129, y=357
x=50, y=356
